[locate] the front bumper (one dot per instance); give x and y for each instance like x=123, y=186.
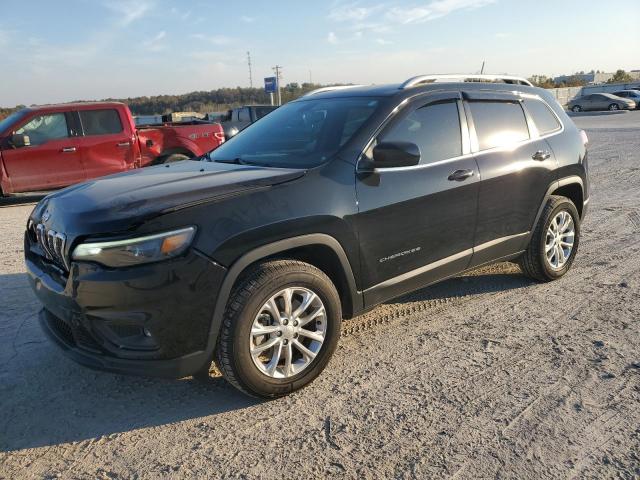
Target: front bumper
x=152, y=319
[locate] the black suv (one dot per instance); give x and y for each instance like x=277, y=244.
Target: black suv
x=328, y=206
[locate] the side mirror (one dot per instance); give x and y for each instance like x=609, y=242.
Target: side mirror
x=395, y=154
x=18, y=140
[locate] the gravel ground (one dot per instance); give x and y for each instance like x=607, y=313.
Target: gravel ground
x=486, y=375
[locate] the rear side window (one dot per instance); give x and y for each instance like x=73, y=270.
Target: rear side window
x=262, y=111
x=243, y=115
x=42, y=128
x=499, y=124
x=100, y=122
x=434, y=128
x=543, y=117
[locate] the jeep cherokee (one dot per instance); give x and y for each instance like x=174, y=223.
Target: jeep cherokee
x=330, y=205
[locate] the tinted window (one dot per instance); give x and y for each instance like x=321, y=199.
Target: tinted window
x=43, y=128
x=434, y=128
x=262, y=111
x=300, y=134
x=542, y=116
x=243, y=115
x=100, y=122
x=498, y=124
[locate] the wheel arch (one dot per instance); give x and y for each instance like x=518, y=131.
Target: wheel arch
x=171, y=151
x=320, y=250
x=571, y=187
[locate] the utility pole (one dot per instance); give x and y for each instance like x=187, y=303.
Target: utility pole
x=482, y=69
x=310, y=79
x=278, y=71
x=250, y=73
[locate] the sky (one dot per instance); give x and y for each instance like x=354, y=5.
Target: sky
x=93, y=49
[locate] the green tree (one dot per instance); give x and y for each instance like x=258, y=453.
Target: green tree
x=620, y=77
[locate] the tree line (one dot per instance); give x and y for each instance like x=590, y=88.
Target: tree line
x=203, y=101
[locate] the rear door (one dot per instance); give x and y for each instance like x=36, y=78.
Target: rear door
x=516, y=166
x=416, y=224
x=106, y=144
x=52, y=159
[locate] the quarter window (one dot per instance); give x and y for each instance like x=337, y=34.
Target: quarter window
x=499, y=124
x=100, y=122
x=543, y=117
x=42, y=128
x=434, y=128
x=243, y=115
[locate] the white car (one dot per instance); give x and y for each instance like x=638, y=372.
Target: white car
x=630, y=95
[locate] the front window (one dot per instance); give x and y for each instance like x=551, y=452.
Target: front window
x=42, y=128
x=299, y=134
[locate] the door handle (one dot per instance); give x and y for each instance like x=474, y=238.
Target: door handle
x=460, y=175
x=541, y=155
x=124, y=144
x=69, y=149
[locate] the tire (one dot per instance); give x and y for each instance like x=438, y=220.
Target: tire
x=614, y=107
x=576, y=108
x=174, y=157
x=534, y=262
x=246, y=312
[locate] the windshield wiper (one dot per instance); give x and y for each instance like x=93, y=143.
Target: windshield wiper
x=236, y=161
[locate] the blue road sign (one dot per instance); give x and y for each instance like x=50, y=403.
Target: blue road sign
x=270, y=85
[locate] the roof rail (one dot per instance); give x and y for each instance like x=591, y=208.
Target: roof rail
x=328, y=89
x=464, y=78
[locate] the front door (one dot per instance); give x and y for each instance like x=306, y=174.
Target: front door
x=416, y=224
x=51, y=160
x=106, y=145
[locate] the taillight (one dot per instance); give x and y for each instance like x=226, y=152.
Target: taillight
x=584, y=137
x=219, y=136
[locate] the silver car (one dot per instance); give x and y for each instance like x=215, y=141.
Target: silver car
x=600, y=101
x=630, y=95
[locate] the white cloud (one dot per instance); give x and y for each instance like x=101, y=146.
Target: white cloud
x=246, y=19
x=129, y=11
x=351, y=12
x=431, y=11
x=214, y=39
x=382, y=41
x=332, y=38
x=154, y=44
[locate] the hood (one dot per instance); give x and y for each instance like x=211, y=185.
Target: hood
x=121, y=201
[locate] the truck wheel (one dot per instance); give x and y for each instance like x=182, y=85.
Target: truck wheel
x=554, y=242
x=175, y=157
x=280, y=328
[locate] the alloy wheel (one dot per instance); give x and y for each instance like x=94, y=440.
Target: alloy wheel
x=288, y=332
x=559, y=240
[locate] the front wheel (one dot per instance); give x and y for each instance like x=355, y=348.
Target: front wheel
x=281, y=326
x=554, y=242
x=576, y=108
x=613, y=107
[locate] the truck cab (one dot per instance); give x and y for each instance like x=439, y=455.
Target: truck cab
x=237, y=119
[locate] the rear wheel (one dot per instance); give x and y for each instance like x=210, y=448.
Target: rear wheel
x=613, y=107
x=576, y=108
x=175, y=157
x=554, y=242
x=281, y=326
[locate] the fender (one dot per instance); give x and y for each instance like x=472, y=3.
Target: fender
x=183, y=144
x=273, y=249
x=555, y=185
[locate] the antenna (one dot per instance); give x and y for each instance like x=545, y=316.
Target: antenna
x=250, y=73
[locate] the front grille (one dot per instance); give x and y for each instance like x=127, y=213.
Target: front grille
x=62, y=329
x=51, y=243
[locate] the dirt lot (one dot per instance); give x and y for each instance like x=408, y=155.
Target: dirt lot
x=487, y=375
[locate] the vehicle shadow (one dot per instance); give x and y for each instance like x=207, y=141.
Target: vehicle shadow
x=48, y=399
x=21, y=199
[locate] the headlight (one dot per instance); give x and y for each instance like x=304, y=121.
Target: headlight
x=134, y=251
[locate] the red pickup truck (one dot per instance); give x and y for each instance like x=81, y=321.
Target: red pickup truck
x=53, y=146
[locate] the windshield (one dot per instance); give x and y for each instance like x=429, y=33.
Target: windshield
x=298, y=134
x=11, y=119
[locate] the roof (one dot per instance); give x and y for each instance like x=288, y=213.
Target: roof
x=76, y=105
